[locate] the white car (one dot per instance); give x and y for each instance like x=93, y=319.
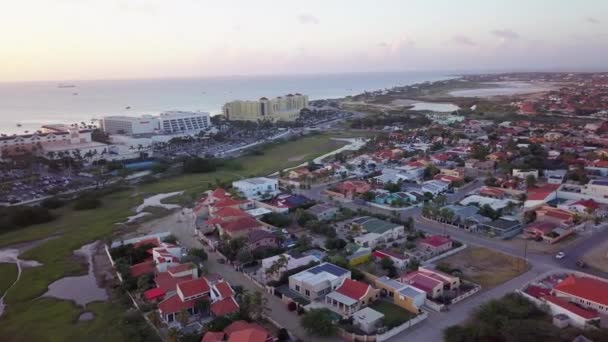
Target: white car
x=560, y=255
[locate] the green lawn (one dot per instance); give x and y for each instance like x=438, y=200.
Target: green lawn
x=8, y=274
x=393, y=314
x=31, y=319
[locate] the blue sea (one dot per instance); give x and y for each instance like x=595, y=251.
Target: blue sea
x=32, y=104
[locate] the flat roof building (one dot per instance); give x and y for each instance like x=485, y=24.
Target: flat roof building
x=282, y=108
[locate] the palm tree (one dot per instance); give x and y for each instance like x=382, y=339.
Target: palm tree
x=183, y=317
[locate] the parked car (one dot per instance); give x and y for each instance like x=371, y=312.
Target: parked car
x=581, y=264
x=560, y=255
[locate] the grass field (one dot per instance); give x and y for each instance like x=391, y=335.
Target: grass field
x=9, y=274
x=393, y=314
x=31, y=319
x=486, y=267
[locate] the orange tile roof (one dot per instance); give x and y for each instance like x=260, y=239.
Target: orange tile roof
x=353, y=289
x=590, y=289
x=224, y=307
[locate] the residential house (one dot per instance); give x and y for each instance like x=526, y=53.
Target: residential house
x=368, y=320
x=323, y=212
x=318, y=281
x=435, y=187
x=374, y=231
x=540, y=195
x=294, y=260
x=257, y=188
x=589, y=292
x=435, y=244
x=403, y=295
x=431, y=281
x=399, y=260
x=504, y=228
x=583, y=207
x=351, y=296
x=259, y=238
x=239, y=331
x=349, y=189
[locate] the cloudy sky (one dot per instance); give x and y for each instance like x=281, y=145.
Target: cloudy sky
x=112, y=39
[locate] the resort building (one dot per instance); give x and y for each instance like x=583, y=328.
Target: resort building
x=282, y=108
x=167, y=123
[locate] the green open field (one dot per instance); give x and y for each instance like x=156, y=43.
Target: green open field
x=29, y=318
x=9, y=274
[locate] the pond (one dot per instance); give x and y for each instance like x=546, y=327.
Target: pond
x=504, y=89
x=81, y=289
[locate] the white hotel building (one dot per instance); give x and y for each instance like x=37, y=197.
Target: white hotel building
x=165, y=123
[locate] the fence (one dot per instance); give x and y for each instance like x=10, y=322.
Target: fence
x=443, y=255
x=384, y=336
x=466, y=295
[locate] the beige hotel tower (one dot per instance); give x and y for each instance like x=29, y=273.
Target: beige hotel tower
x=282, y=108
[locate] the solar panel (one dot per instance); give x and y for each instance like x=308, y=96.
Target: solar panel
x=333, y=269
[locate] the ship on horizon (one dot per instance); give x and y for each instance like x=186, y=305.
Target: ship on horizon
x=66, y=85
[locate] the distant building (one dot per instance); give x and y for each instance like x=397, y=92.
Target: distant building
x=283, y=108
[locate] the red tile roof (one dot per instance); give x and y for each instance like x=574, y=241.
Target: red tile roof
x=150, y=241
x=435, y=240
x=537, y=291
x=154, y=293
x=212, y=336
x=167, y=283
x=230, y=212
x=248, y=335
x=174, y=304
x=180, y=268
x=224, y=307
x=421, y=281
x=242, y=325
x=228, y=202
x=142, y=268
x=244, y=223
x=386, y=253
x=541, y=193
x=224, y=289
x=588, y=203
x=575, y=309
x=590, y=289
x=353, y=289
x=194, y=287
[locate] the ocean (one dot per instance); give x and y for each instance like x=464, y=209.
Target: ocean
x=25, y=106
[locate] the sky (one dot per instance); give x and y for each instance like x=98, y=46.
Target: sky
x=122, y=39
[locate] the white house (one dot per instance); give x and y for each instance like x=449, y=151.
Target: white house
x=292, y=262
x=523, y=174
x=257, y=188
x=375, y=231
x=435, y=187
x=317, y=282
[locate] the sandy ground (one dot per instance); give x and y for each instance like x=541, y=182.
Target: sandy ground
x=297, y=158
x=155, y=201
x=598, y=257
x=486, y=267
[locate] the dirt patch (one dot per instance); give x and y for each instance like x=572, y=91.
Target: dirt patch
x=486, y=267
x=297, y=158
x=102, y=268
x=598, y=257
x=540, y=247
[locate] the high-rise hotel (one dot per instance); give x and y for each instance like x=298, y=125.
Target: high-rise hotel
x=282, y=108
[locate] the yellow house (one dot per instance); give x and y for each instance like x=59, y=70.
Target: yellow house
x=405, y=296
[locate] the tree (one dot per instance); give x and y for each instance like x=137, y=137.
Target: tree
x=319, y=322
x=173, y=335
x=334, y=243
x=183, y=317
x=199, y=253
x=304, y=242
x=244, y=256
x=530, y=181
x=277, y=266
x=388, y=265
x=254, y=305
x=202, y=306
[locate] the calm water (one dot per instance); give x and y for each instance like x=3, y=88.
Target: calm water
x=504, y=89
x=33, y=104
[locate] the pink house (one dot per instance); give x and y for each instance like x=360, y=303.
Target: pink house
x=436, y=244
